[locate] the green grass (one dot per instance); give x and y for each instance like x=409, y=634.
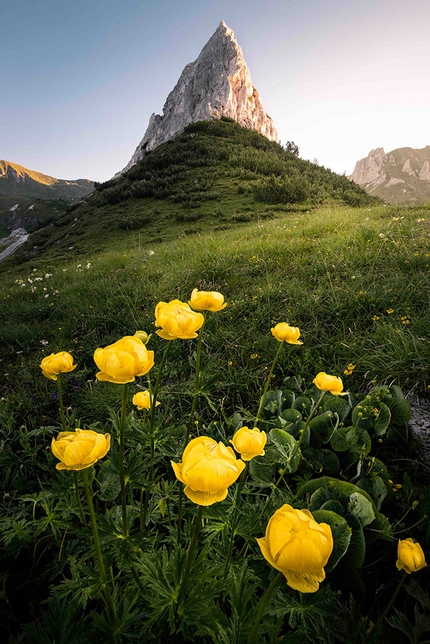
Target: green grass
x=355, y=281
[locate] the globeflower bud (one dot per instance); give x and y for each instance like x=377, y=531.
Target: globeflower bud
x=208, y=469
x=79, y=449
x=249, y=442
x=142, y=400
x=410, y=556
x=56, y=363
x=283, y=332
x=143, y=336
x=177, y=320
x=333, y=384
x=207, y=301
x=298, y=546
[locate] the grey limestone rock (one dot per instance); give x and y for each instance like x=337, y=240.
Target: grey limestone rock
x=216, y=84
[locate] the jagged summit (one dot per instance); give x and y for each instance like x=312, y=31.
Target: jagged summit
x=400, y=176
x=216, y=84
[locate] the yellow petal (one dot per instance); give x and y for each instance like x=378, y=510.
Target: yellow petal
x=205, y=498
x=177, y=468
x=305, y=582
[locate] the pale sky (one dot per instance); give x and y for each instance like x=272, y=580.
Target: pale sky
x=79, y=79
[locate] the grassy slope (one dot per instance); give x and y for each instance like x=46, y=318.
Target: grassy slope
x=355, y=280
x=204, y=179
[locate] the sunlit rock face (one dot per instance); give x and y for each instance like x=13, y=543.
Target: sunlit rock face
x=401, y=176
x=217, y=84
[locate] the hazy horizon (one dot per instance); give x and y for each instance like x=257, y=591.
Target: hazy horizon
x=79, y=81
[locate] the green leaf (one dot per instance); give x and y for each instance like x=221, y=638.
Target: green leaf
x=326, y=458
x=341, y=532
x=293, y=383
x=295, y=428
x=376, y=487
x=285, y=446
x=303, y=405
x=361, y=448
x=108, y=481
x=354, y=556
x=399, y=406
x=343, y=439
x=382, y=421
x=324, y=424
x=334, y=506
x=337, y=405
x=272, y=404
x=291, y=415
x=381, y=528
x=340, y=490
x=261, y=471
x=361, y=508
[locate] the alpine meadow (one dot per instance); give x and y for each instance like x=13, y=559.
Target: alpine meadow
x=209, y=366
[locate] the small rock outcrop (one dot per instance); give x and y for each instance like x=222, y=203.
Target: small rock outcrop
x=401, y=176
x=216, y=84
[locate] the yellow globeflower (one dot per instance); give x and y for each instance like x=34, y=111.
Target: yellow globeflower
x=123, y=360
x=333, y=384
x=56, y=363
x=177, y=320
x=79, y=449
x=283, y=332
x=208, y=469
x=207, y=301
x=410, y=556
x=298, y=546
x=249, y=442
x=142, y=400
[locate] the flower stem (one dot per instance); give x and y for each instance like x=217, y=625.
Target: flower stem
x=81, y=509
x=387, y=608
x=153, y=399
x=121, y=459
x=99, y=554
x=60, y=402
x=281, y=476
x=269, y=378
x=308, y=420
x=235, y=517
x=137, y=579
x=196, y=383
x=190, y=419
x=262, y=606
x=191, y=552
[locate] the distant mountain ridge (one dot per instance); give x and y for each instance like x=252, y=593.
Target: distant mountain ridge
x=18, y=185
x=216, y=84
x=401, y=176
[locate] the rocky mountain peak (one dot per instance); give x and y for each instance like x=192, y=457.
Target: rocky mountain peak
x=400, y=176
x=216, y=84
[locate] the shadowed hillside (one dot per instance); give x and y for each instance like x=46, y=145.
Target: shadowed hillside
x=215, y=174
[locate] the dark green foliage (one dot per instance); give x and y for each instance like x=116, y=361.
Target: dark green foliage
x=282, y=190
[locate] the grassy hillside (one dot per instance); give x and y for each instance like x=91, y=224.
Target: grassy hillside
x=213, y=176
x=18, y=184
x=356, y=281
x=30, y=215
